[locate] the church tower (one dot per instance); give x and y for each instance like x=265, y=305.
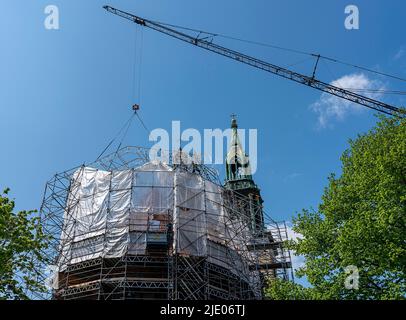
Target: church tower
x=239, y=179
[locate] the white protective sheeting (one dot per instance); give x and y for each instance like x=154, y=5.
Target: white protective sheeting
x=89, y=215
x=189, y=215
x=111, y=213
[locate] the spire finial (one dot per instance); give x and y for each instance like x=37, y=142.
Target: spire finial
x=234, y=121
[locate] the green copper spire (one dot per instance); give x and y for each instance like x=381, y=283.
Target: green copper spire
x=239, y=179
x=237, y=162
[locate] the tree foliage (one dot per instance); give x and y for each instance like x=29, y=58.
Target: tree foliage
x=360, y=222
x=21, y=243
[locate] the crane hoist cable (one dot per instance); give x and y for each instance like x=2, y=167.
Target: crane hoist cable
x=205, y=41
x=126, y=125
x=124, y=130
x=134, y=71
x=137, y=65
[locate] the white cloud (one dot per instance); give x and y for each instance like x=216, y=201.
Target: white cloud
x=297, y=260
x=330, y=107
x=292, y=176
x=399, y=54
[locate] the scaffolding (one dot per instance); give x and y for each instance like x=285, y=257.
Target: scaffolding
x=128, y=227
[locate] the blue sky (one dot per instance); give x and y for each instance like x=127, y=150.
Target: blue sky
x=65, y=93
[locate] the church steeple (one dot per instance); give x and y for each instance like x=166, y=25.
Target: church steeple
x=239, y=179
x=237, y=162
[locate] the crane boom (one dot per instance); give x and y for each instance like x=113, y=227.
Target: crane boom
x=263, y=65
